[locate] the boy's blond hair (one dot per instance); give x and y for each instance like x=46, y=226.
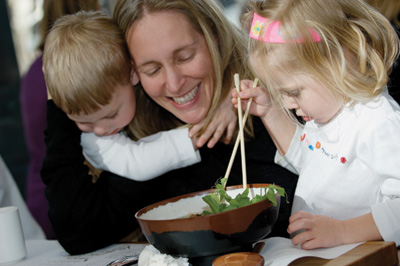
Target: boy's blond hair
x=354, y=57
x=85, y=58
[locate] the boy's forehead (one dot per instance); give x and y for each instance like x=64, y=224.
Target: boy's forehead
x=93, y=116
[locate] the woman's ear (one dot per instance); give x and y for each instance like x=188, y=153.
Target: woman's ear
x=134, y=76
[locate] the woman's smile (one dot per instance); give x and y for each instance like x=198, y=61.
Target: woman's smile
x=187, y=97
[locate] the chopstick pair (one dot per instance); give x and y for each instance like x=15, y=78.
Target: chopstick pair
x=240, y=137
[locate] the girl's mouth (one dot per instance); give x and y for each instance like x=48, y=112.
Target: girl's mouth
x=187, y=98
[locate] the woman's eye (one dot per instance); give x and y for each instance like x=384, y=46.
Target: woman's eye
x=185, y=58
x=152, y=72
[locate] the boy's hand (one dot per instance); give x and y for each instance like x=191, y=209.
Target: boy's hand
x=261, y=103
x=225, y=119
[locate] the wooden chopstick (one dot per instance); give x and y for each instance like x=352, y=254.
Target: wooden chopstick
x=228, y=170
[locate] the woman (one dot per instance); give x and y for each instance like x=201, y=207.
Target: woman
x=186, y=54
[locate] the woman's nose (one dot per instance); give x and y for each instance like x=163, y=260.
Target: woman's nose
x=174, y=79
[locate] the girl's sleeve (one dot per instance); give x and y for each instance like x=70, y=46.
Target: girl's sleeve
x=140, y=160
x=292, y=160
x=85, y=216
x=381, y=149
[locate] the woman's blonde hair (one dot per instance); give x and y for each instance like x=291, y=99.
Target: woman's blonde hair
x=354, y=57
x=225, y=43
x=85, y=58
x=54, y=9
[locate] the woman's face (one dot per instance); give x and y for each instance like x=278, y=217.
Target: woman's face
x=173, y=63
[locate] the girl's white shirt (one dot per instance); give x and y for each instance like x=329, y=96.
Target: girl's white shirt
x=351, y=165
x=140, y=160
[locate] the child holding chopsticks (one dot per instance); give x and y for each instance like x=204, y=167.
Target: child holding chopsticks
x=330, y=67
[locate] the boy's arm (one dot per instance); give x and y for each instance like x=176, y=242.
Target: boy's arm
x=86, y=216
x=140, y=160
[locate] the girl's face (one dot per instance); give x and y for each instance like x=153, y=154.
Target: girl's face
x=110, y=118
x=173, y=63
x=300, y=92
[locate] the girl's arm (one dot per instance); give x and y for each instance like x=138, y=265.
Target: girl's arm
x=140, y=160
x=279, y=126
x=323, y=231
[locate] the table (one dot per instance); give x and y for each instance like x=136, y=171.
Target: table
x=50, y=253
x=371, y=253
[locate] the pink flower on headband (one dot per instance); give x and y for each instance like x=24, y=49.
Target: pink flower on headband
x=272, y=33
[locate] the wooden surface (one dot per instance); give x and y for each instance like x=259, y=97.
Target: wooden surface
x=371, y=253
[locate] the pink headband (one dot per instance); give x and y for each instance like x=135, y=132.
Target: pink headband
x=272, y=33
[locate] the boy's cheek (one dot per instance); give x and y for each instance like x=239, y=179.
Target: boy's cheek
x=84, y=128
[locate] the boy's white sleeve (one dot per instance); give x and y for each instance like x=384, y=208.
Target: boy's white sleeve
x=140, y=160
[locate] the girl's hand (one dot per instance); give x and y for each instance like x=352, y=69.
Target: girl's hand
x=318, y=231
x=261, y=103
x=224, y=120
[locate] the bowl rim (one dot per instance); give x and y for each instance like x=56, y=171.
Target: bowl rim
x=198, y=193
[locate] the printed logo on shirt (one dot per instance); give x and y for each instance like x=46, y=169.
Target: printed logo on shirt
x=319, y=147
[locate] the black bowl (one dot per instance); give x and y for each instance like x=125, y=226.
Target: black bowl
x=211, y=235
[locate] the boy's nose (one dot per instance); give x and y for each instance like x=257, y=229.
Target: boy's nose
x=100, y=131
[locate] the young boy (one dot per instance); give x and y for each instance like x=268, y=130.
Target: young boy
x=89, y=76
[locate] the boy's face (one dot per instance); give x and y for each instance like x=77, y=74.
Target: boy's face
x=111, y=118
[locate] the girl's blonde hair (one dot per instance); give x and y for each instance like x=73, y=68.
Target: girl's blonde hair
x=354, y=57
x=85, y=58
x=224, y=41
x=389, y=8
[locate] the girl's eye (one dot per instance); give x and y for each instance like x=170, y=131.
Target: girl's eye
x=292, y=94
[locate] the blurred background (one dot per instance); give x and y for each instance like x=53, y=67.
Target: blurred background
x=19, y=25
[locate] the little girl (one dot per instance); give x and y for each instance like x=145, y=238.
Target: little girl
x=327, y=63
